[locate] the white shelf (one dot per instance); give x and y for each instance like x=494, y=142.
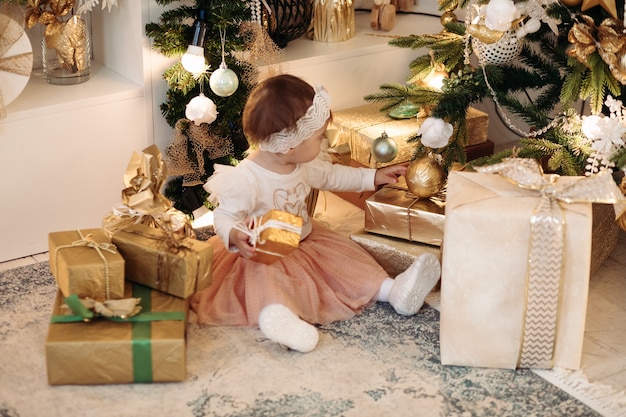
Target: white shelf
x=366, y=41
x=40, y=98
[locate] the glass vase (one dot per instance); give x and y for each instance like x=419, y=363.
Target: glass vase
x=66, y=50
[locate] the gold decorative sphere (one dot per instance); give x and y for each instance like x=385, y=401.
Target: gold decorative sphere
x=447, y=17
x=572, y=3
x=425, y=177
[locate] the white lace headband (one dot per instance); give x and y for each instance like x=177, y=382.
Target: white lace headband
x=314, y=118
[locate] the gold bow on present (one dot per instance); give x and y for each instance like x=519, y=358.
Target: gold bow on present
x=142, y=202
x=11, y=31
x=546, y=246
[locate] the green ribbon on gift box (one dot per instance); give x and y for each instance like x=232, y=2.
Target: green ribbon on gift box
x=141, y=328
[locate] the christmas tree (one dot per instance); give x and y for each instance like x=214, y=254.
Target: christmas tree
x=204, y=105
x=536, y=60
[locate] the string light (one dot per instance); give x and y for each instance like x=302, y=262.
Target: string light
x=193, y=60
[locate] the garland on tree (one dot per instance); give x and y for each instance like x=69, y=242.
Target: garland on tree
x=564, y=55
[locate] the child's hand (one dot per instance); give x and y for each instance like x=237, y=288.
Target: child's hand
x=389, y=174
x=241, y=240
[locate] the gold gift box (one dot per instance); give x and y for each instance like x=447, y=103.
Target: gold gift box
x=394, y=211
x=360, y=126
x=177, y=267
x=276, y=242
x=393, y=254
x=484, y=283
x=112, y=352
x=79, y=269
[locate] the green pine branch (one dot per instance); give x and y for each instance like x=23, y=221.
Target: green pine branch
x=394, y=94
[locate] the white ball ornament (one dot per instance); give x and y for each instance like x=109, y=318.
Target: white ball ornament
x=201, y=109
x=384, y=149
x=224, y=82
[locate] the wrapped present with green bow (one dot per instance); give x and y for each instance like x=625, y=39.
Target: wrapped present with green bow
x=164, y=260
x=516, y=264
x=138, y=339
x=86, y=263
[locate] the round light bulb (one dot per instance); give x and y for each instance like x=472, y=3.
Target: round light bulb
x=224, y=82
x=435, y=79
x=193, y=59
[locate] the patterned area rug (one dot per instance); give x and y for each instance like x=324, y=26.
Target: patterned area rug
x=376, y=364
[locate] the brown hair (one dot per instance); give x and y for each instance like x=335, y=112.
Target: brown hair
x=275, y=103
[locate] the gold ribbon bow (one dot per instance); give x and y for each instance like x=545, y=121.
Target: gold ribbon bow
x=142, y=202
x=545, y=259
x=122, y=308
x=88, y=241
x=11, y=31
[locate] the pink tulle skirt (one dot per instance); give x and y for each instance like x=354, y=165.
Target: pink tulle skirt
x=328, y=278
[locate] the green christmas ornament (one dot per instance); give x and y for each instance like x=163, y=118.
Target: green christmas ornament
x=384, y=149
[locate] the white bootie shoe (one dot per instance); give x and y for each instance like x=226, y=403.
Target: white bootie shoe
x=411, y=287
x=281, y=325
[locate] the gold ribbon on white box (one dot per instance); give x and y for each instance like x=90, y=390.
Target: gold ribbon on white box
x=516, y=261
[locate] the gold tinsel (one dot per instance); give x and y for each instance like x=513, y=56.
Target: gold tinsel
x=201, y=139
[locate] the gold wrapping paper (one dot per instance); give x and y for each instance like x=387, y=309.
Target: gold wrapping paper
x=360, y=126
x=394, y=211
x=393, y=254
x=80, y=270
x=275, y=242
x=604, y=235
x=142, y=202
x=101, y=351
x=178, y=268
x=486, y=275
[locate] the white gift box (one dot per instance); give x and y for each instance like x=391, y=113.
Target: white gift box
x=485, y=293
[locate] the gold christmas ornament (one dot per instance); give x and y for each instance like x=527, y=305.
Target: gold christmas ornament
x=572, y=3
x=425, y=177
x=447, y=17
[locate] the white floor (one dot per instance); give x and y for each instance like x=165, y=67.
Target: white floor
x=604, y=356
